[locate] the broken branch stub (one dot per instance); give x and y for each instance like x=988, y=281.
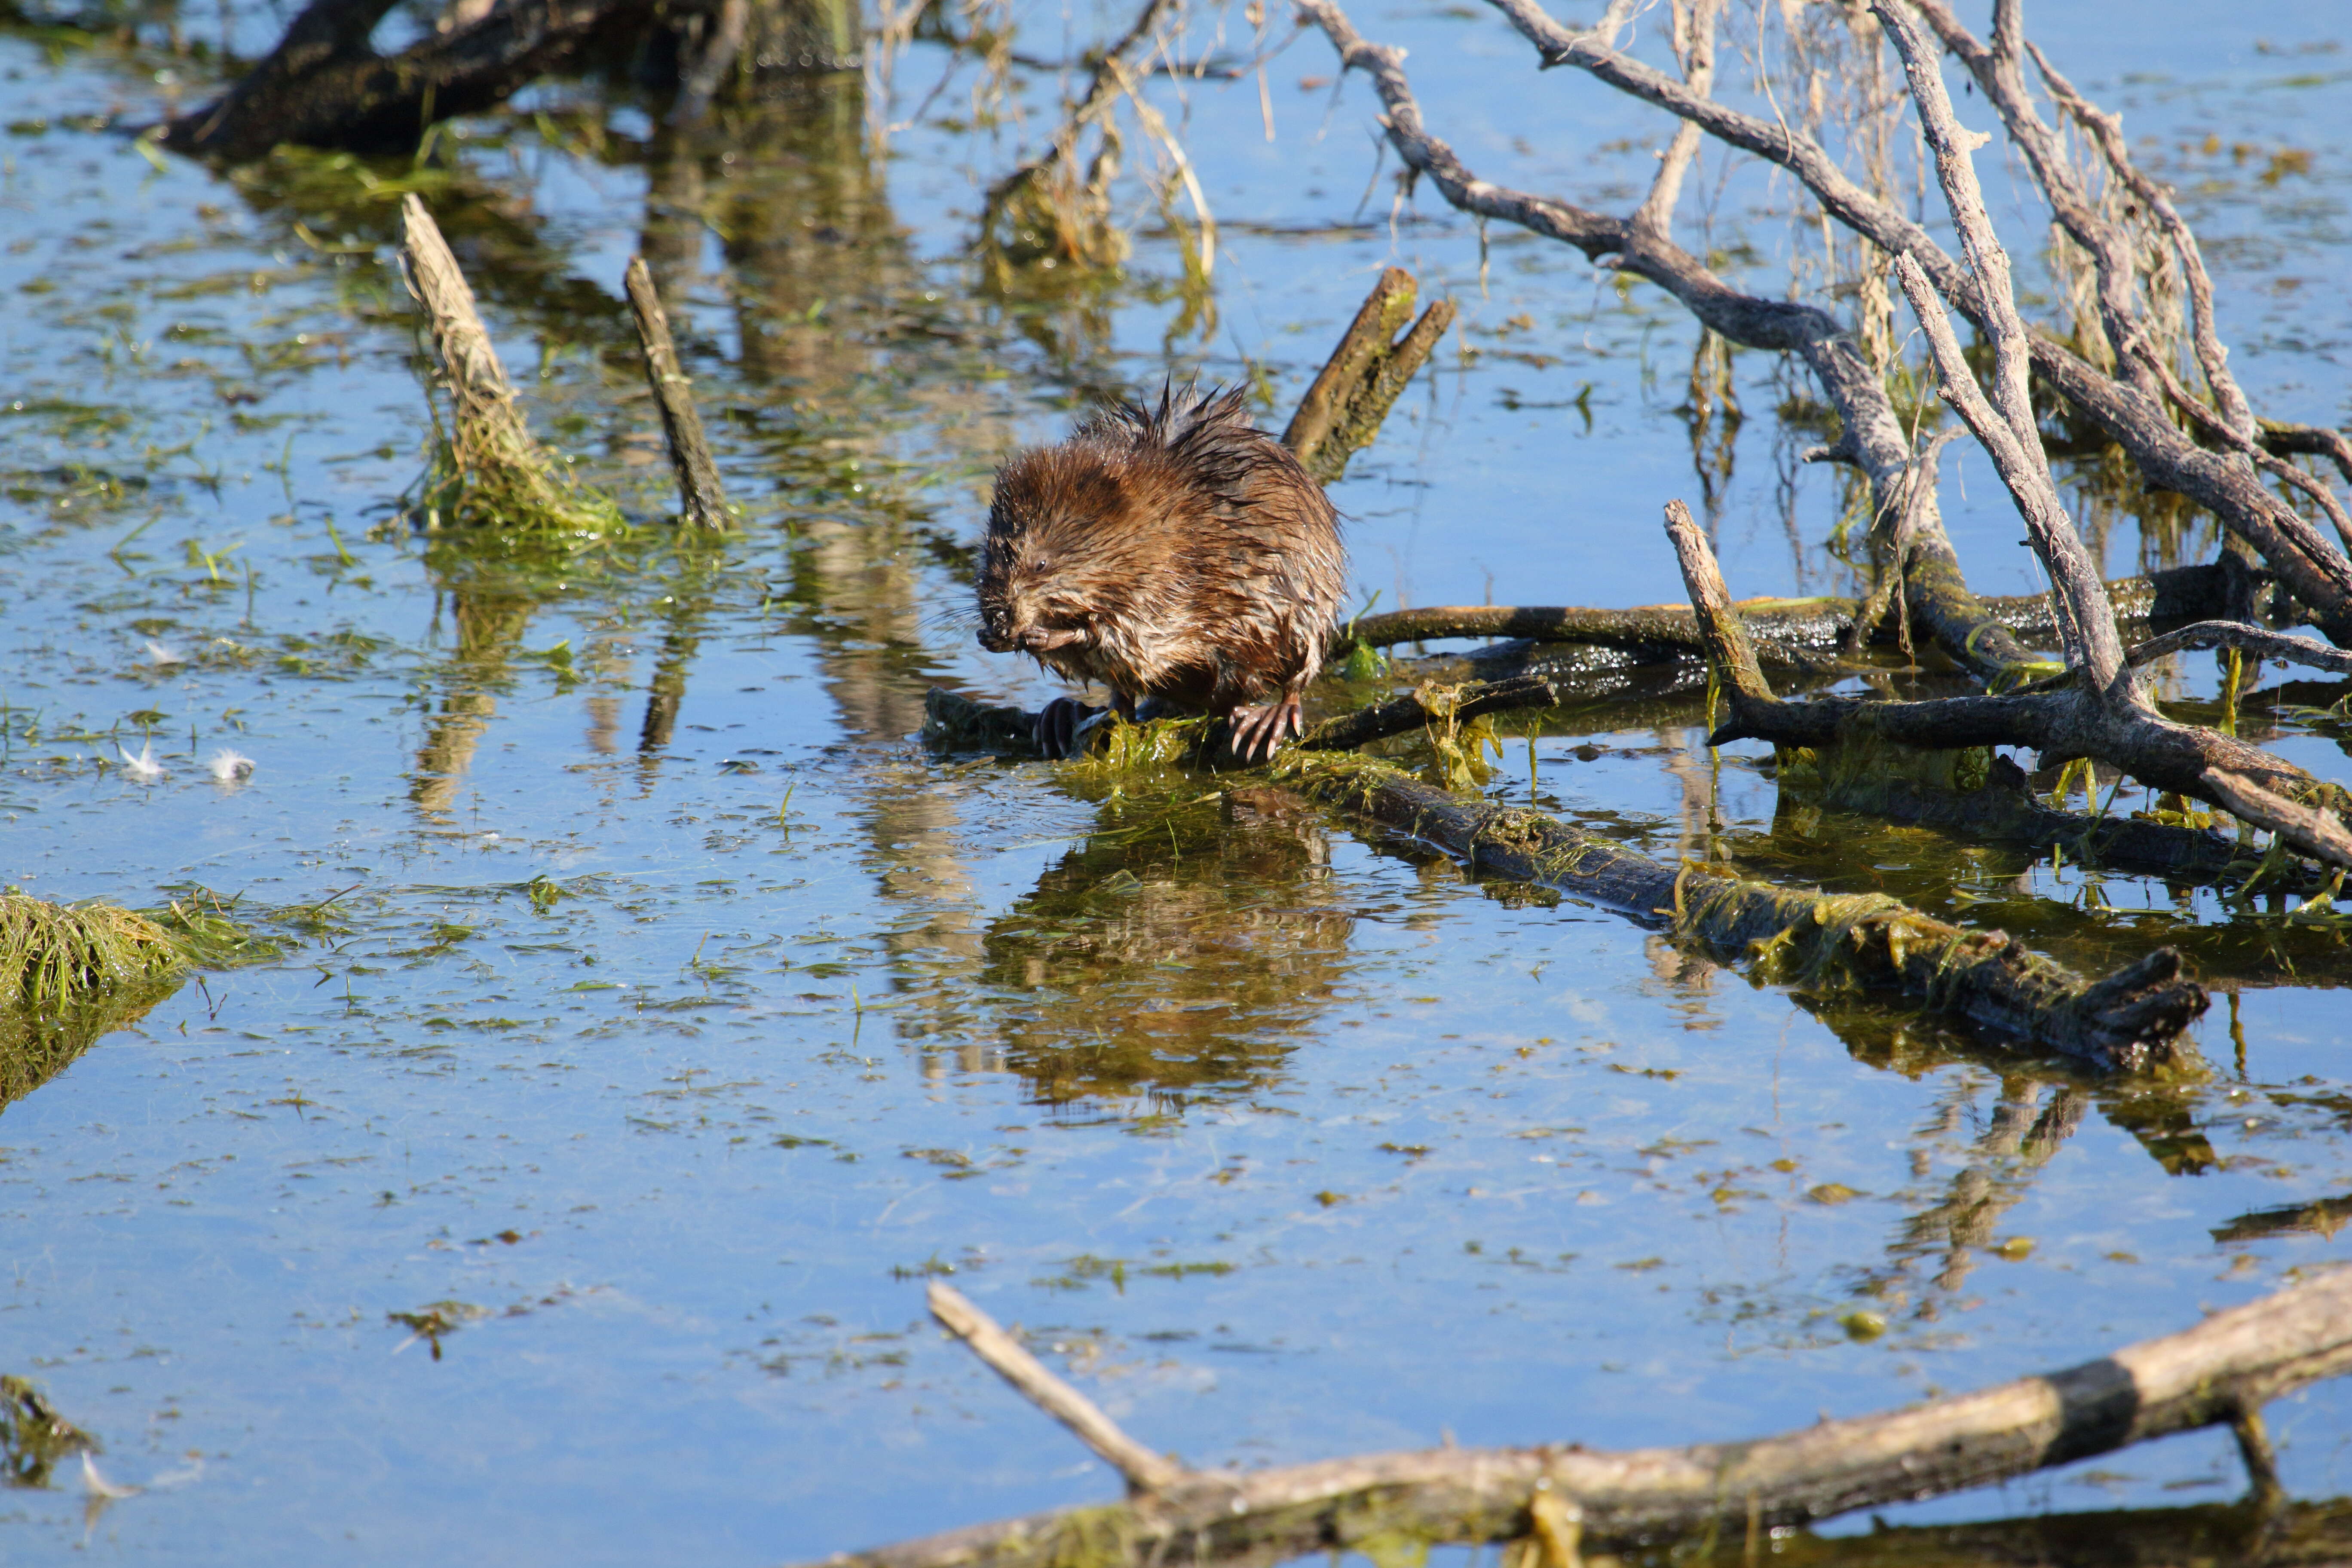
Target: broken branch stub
x=702, y=499
x=494, y=472
x=2209, y=1375
x=1010, y=1360
x=1342, y=408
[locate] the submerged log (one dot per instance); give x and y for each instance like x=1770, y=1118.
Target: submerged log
x=2128, y=1021
x=2221, y=1371
x=1352, y=394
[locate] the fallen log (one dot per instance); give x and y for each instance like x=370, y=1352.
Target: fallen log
x=1569, y=1497
x=325, y=86
x=1786, y=629
x=2126, y=1021
x=951, y=721
x=1343, y=407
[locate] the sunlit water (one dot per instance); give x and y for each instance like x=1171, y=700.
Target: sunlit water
x=566, y=1189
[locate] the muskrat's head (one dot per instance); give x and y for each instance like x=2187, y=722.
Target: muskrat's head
x=1062, y=532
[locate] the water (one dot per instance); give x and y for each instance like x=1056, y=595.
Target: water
x=565, y=1190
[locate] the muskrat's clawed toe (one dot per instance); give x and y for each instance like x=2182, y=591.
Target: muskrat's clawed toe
x=1257, y=732
x=1058, y=726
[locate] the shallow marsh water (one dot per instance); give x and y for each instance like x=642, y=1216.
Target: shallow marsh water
x=653, y=1016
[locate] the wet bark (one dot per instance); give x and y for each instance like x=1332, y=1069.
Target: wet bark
x=1793, y=630
x=1342, y=408
x=325, y=85
x=702, y=498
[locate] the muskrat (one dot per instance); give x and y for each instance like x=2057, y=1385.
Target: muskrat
x=1177, y=553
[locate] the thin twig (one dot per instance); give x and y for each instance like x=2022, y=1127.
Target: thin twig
x=1145, y=1470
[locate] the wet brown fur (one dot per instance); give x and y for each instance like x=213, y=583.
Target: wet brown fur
x=1177, y=552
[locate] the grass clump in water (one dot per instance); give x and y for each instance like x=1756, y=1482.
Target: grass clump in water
x=52, y=954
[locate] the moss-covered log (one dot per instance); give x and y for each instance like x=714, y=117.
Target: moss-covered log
x=1343, y=407
x=1817, y=940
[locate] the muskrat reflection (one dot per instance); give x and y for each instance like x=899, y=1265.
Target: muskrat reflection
x=1176, y=957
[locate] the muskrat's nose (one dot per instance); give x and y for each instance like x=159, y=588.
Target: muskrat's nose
x=994, y=641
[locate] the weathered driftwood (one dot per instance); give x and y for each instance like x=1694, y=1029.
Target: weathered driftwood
x=1935, y=594
x=2133, y=417
x=702, y=499
x=1790, y=630
x=2222, y=1372
x=1352, y=394
x=2105, y=715
x=1804, y=938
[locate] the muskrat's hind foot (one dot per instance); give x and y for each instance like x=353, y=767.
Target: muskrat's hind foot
x=1257, y=732
x=1056, y=730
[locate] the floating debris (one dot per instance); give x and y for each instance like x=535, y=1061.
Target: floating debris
x=160, y=656
x=229, y=767
x=143, y=767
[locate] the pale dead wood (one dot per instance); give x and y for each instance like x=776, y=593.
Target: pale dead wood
x=2315, y=572
x=2113, y=719
x=1145, y=1470
x=1343, y=406
x=702, y=498
x=2211, y=1375
x=1937, y=595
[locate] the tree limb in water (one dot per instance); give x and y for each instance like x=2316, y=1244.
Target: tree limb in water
x=2220, y=1372
x=1935, y=593
x=1794, y=630
x=702, y=498
x=2136, y=420
x=324, y=85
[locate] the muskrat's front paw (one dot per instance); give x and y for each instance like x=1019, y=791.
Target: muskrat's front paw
x=1257, y=732
x=1057, y=731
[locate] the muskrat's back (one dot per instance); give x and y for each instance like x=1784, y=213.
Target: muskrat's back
x=1177, y=552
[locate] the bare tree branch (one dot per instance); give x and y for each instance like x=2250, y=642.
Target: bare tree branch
x=2316, y=572
x=1938, y=597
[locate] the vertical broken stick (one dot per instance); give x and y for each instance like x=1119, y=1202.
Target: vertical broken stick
x=702, y=501
x=1353, y=391
x=1145, y=1470
x=489, y=432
